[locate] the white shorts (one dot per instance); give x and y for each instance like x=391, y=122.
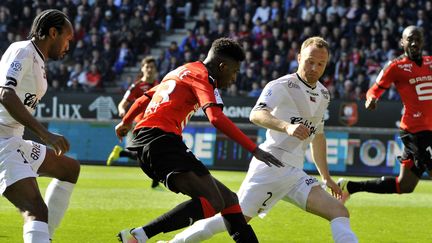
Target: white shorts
x=19, y=159
x=264, y=186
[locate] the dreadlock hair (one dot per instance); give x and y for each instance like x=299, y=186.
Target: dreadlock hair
x=45, y=20
x=230, y=48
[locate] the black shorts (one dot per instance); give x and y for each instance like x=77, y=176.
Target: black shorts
x=418, y=147
x=161, y=154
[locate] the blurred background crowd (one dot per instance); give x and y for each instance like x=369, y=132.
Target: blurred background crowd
x=112, y=35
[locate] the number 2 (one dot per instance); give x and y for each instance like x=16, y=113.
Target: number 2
x=270, y=195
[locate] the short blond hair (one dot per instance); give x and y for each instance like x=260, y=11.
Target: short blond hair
x=316, y=41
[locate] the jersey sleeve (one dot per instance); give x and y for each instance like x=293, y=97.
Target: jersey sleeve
x=383, y=81
x=270, y=97
x=18, y=64
x=138, y=107
x=131, y=94
x=205, y=92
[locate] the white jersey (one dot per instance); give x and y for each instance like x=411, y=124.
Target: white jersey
x=22, y=68
x=292, y=100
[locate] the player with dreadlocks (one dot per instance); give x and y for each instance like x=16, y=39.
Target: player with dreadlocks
x=22, y=84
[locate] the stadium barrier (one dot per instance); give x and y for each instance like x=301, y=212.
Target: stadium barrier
x=359, y=142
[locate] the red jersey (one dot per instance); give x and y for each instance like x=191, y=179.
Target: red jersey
x=180, y=94
x=137, y=89
x=414, y=84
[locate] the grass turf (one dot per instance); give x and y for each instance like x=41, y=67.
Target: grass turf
x=108, y=199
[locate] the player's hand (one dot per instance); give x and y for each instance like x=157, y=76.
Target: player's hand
x=59, y=143
x=299, y=131
x=267, y=158
x=336, y=191
x=371, y=103
x=121, y=111
x=122, y=129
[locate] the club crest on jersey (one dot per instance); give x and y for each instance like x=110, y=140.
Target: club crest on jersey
x=348, y=114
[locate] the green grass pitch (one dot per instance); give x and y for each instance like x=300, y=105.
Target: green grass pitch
x=108, y=199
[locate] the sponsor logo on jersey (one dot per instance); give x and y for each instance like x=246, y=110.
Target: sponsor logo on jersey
x=325, y=93
x=301, y=120
x=406, y=67
x=293, y=85
x=348, y=114
x=420, y=79
x=313, y=99
x=30, y=100
x=311, y=93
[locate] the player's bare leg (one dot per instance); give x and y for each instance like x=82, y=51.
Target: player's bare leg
x=322, y=204
x=65, y=172
x=25, y=196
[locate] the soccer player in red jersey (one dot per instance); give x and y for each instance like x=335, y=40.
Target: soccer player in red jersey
x=145, y=81
x=411, y=73
x=164, y=156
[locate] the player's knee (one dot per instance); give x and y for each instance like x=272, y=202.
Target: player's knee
x=406, y=188
x=231, y=199
x=34, y=209
x=72, y=172
x=340, y=211
x=217, y=203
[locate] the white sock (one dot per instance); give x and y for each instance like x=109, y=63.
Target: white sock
x=139, y=234
x=202, y=230
x=36, y=232
x=341, y=231
x=57, y=198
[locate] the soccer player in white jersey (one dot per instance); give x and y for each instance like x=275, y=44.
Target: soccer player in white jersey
x=22, y=85
x=292, y=109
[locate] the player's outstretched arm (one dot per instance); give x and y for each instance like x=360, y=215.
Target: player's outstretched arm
x=17, y=110
x=225, y=125
x=319, y=156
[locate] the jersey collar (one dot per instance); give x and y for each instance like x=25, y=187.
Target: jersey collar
x=308, y=85
x=38, y=51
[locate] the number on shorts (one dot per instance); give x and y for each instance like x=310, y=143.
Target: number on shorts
x=429, y=149
x=270, y=195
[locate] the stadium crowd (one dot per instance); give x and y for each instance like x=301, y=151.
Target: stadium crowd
x=109, y=35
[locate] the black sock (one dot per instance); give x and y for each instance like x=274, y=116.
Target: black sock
x=181, y=216
x=130, y=154
x=239, y=230
x=155, y=183
x=382, y=185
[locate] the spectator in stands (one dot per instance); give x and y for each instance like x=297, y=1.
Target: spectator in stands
x=202, y=22
x=255, y=91
x=123, y=57
x=93, y=79
x=262, y=12
x=77, y=76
